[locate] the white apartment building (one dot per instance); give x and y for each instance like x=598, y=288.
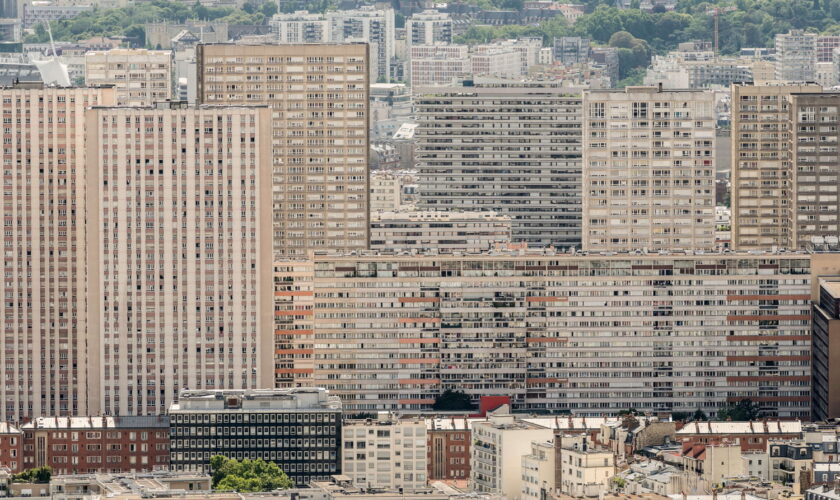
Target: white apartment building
x=513, y=148
x=499, y=62
x=429, y=27
x=142, y=77
x=366, y=24
x=385, y=191
x=539, y=471
x=300, y=27
x=584, y=472
x=179, y=253
x=43, y=313
x=796, y=56
x=437, y=65
x=498, y=445
x=398, y=350
x=369, y=25
x=444, y=232
x=387, y=452
x=648, y=169
x=42, y=12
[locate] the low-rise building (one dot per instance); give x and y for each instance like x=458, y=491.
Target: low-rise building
x=93, y=445
x=791, y=464
x=387, y=452
x=443, y=232
x=539, y=471
x=298, y=429
x=449, y=448
x=11, y=447
x=825, y=492
x=584, y=471
x=498, y=445
x=751, y=436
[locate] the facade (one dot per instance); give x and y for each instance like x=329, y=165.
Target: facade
x=539, y=471
x=388, y=453
x=320, y=138
x=367, y=25
x=750, y=436
x=570, y=50
x=813, y=208
x=513, y=148
x=429, y=27
x=300, y=27
x=584, y=471
x=44, y=316
x=11, y=447
x=449, y=448
x=199, y=312
x=400, y=346
x=444, y=232
x=141, y=77
x=298, y=429
x=791, y=465
x=498, y=445
x=826, y=351
x=437, y=65
x=96, y=445
x=45, y=12
x=501, y=62
x=761, y=164
x=796, y=56
x=825, y=45
x=648, y=170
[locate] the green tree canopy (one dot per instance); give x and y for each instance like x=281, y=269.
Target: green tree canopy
x=248, y=475
x=36, y=475
x=742, y=411
x=451, y=400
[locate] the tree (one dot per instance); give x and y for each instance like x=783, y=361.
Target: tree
x=36, y=475
x=248, y=475
x=451, y=400
x=700, y=416
x=743, y=410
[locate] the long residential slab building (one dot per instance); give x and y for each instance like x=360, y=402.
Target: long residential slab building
x=577, y=332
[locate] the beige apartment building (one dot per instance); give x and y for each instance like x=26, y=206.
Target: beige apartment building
x=815, y=169
x=318, y=95
x=761, y=164
x=387, y=452
x=43, y=356
x=142, y=77
x=179, y=252
x=648, y=169
x=583, y=333
x=444, y=232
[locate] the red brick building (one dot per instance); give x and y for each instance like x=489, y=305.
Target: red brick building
x=751, y=436
x=11, y=447
x=449, y=448
x=85, y=445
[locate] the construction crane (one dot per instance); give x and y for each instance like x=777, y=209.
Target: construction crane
x=715, y=12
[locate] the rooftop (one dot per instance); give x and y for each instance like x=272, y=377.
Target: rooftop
x=135, y=422
x=760, y=427
x=250, y=400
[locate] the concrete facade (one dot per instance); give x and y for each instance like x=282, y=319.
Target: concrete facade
x=648, y=170
x=320, y=136
x=181, y=297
